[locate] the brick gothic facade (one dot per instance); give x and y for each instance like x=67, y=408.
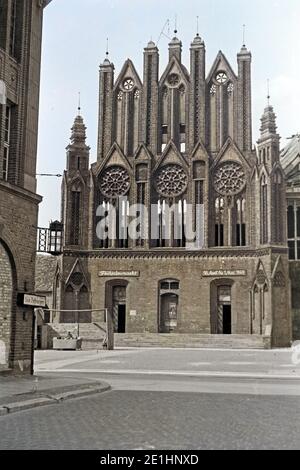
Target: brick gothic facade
x=20, y=56
x=184, y=137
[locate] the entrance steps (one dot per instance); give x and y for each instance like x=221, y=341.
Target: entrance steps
x=93, y=334
x=147, y=340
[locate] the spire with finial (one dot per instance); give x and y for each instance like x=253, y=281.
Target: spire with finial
x=175, y=28
x=244, y=50
x=175, y=46
x=79, y=104
x=268, y=86
x=268, y=119
x=106, y=60
x=198, y=41
x=107, y=48
x=78, y=136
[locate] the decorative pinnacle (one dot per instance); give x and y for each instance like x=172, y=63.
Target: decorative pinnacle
x=107, y=48
x=268, y=97
x=244, y=35
x=175, y=30
x=197, y=26
x=79, y=104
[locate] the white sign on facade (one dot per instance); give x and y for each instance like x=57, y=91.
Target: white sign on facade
x=234, y=273
x=133, y=313
x=119, y=274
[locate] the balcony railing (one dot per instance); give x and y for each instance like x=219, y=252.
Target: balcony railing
x=50, y=240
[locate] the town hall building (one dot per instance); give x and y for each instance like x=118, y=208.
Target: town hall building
x=182, y=139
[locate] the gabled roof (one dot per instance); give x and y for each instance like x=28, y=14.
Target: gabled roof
x=221, y=58
x=175, y=62
x=290, y=160
x=128, y=65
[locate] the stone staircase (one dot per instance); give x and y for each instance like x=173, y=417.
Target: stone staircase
x=93, y=334
x=147, y=340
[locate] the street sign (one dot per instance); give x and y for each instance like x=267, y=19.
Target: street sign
x=31, y=300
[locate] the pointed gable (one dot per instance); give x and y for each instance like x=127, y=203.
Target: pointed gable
x=172, y=156
x=142, y=154
x=221, y=64
x=114, y=157
x=174, y=66
x=79, y=270
x=230, y=152
x=200, y=153
x=128, y=71
x=278, y=274
x=261, y=277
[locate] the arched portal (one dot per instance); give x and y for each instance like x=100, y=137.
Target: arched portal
x=116, y=302
x=168, y=305
x=6, y=304
x=221, y=307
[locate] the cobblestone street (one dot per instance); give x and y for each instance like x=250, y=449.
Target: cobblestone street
x=147, y=420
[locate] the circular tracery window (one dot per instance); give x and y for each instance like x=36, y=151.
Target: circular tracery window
x=171, y=181
x=128, y=84
x=229, y=179
x=115, y=182
x=221, y=78
x=174, y=79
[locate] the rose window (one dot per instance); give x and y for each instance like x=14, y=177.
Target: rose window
x=171, y=181
x=221, y=78
x=174, y=79
x=115, y=182
x=229, y=179
x=128, y=84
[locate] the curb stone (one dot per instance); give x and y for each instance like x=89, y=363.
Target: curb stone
x=3, y=411
x=51, y=399
x=80, y=393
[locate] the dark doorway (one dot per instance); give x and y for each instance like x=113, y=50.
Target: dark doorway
x=227, y=328
x=121, y=318
x=222, y=323
x=169, y=313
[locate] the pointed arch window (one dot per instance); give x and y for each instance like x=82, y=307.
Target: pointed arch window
x=278, y=220
x=264, y=211
x=293, y=223
x=219, y=221
x=241, y=222
x=75, y=229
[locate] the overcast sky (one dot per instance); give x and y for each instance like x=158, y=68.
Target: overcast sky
x=74, y=45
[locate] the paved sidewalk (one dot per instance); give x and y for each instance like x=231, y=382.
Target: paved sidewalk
x=23, y=393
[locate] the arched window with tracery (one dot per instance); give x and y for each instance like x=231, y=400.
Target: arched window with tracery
x=240, y=210
x=219, y=225
x=171, y=184
x=113, y=208
x=75, y=226
x=278, y=216
x=230, y=182
x=264, y=211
